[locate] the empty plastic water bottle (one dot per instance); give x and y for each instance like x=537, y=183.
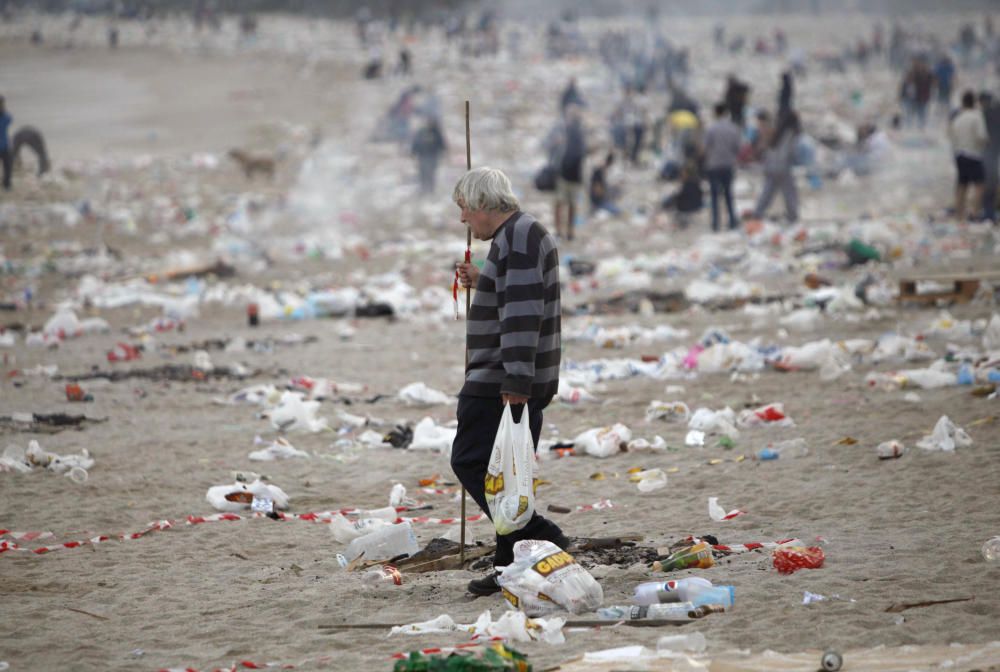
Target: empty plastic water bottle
x=385, y=543
x=965, y=376
x=678, y=611
x=991, y=550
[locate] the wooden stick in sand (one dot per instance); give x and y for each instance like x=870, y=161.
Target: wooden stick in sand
x=468, y=307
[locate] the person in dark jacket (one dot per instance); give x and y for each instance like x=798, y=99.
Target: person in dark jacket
x=31, y=137
x=428, y=146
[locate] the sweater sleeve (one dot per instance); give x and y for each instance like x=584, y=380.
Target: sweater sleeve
x=521, y=307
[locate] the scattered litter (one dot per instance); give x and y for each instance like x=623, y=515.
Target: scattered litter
x=946, y=437
x=240, y=496
x=718, y=514
x=544, y=578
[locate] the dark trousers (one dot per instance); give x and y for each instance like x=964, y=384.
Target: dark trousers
x=7, y=160
x=720, y=181
x=478, y=421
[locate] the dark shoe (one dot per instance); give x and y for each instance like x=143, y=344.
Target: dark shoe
x=485, y=586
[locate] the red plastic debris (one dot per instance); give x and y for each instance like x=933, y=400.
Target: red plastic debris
x=790, y=559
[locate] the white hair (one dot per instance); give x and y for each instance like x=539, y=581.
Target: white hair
x=485, y=189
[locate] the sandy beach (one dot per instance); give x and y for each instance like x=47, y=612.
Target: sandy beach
x=140, y=136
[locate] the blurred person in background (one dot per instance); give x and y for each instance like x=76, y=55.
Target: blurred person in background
x=722, y=148
x=991, y=154
x=779, y=157
x=5, y=154
x=967, y=133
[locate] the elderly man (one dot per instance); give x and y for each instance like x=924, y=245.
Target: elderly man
x=513, y=342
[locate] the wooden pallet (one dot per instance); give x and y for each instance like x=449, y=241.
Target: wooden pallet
x=964, y=286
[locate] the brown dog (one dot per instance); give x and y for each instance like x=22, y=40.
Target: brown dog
x=254, y=163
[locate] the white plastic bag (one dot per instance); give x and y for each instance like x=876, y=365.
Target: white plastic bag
x=509, y=476
x=544, y=579
x=603, y=441
x=945, y=437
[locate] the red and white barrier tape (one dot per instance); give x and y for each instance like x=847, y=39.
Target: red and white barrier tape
x=749, y=546
x=159, y=526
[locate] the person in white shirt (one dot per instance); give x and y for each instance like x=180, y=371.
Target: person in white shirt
x=967, y=133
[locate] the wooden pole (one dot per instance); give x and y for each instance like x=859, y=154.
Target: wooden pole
x=468, y=307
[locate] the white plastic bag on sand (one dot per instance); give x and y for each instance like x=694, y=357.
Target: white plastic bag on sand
x=603, y=441
x=512, y=626
x=346, y=531
x=650, y=480
x=418, y=394
x=721, y=422
x=509, y=492
x=946, y=437
x=60, y=464
x=670, y=411
x=397, y=495
x=718, y=514
x=239, y=496
x=293, y=414
x=428, y=435
x=725, y=357
x=929, y=378
x=64, y=324
x=695, y=438
x=772, y=415
x=991, y=337
x=279, y=449
x=14, y=459
x=804, y=319
x=543, y=579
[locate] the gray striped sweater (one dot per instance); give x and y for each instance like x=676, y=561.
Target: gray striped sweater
x=513, y=332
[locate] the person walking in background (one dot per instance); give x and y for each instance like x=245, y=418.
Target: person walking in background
x=779, y=158
x=29, y=136
x=428, y=146
x=967, y=133
x=944, y=77
x=6, y=156
x=513, y=338
x=722, y=148
x=991, y=155
x=917, y=87
x=567, y=149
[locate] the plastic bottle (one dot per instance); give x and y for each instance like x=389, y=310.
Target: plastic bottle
x=388, y=542
x=965, y=376
x=692, y=641
x=991, y=550
x=698, y=556
x=678, y=611
x=654, y=592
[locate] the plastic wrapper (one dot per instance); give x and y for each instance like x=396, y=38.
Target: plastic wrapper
x=669, y=411
x=790, y=559
x=772, y=415
x=544, y=579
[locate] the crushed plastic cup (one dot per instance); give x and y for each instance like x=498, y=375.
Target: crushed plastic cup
x=650, y=480
x=78, y=475
x=991, y=550
x=888, y=450
x=386, y=575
